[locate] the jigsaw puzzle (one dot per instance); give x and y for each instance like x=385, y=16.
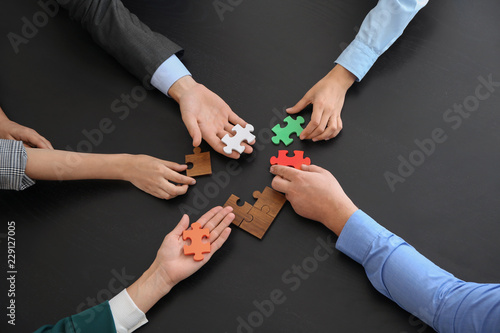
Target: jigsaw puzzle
x=257, y=219
x=201, y=163
x=296, y=161
x=234, y=142
x=197, y=246
x=241, y=212
x=283, y=133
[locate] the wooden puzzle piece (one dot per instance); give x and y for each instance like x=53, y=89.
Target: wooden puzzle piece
x=197, y=246
x=283, y=133
x=260, y=222
x=234, y=142
x=241, y=212
x=295, y=161
x=271, y=199
x=201, y=163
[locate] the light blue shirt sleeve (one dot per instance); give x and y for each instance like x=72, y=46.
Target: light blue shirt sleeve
x=420, y=287
x=379, y=30
x=168, y=73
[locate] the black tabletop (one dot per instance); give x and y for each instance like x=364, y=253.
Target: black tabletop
x=79, y=243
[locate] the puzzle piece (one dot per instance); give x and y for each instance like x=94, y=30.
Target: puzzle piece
x=271, y=199
x=241, y=212
x=197, y=246
x=256, y=219
x=234, y=142
x=296, y=161
x=260, y=222
x=283, y=133
x=201, y=163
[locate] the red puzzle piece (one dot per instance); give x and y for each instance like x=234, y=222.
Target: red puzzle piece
x=295, y=161
x=197, y=246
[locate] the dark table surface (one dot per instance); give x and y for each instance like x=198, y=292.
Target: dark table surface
x=74, y=238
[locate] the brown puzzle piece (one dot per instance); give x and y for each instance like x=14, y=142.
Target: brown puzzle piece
x=201, y=163
x=260, y=222
x=241, y=212
x=270, y=198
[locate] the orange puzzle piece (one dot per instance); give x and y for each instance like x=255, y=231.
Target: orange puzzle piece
x=197, y=246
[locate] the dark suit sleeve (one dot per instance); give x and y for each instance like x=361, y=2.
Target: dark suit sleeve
x=112, y=26
x=96, y=319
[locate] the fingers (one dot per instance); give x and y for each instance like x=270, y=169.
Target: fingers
x=220, y=216
x=316, y=118
x=313, y=168
x=217, y=244
x=36, y=140
x=280, y=184
x=321, y=127
x=209, y=215
x=285, y=172
x=305, y=101
x=235, y=119
x=194, y=130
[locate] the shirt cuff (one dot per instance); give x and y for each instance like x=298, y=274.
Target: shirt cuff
x=168, y=73
x=358, y=235
x=357, y=58
x=13, y=159
x=127, y=316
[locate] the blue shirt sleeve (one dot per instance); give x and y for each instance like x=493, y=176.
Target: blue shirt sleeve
x=379, y=30
x=168, y=73
x=405, y=276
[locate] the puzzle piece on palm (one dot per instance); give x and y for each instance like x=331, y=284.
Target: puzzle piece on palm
x=241, y=212
x=234, y=142
x=283, y=133
x=296, y=161
x=197, y=246
x=201, y=163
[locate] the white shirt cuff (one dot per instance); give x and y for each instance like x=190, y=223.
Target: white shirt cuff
x=168, y=73
x=127, y=316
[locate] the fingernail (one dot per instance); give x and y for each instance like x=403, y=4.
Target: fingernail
x=193, y=182
x=288, y=109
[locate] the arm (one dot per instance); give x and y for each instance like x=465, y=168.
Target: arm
x=152, y=58
x=379, y=30
x=147, y=173
x=126, y=311
x=394, y=268
x=13, y=131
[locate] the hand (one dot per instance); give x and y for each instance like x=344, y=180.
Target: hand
x=327, y=97
x=13, y=131
x=155, y=176
x=171, y=265
x=314, y=194
x=206, y=115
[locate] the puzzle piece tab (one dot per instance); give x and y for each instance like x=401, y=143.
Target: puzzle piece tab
x=271, y=199
x=296, y=161
x=201, y=163
x=234, y=142
x=197, y=246
x=283, y=133
x=241, y=212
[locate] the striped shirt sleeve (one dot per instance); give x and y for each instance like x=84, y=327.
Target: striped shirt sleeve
x=13, y=158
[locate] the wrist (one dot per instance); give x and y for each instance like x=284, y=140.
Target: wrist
x=337, y=219
x=148, y=290
x=181, y=86
x=342, y=76
x=123, y=164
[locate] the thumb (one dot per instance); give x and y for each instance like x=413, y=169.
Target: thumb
x=299, y=106
x=194, y=130
x=312, y=168
x=182, y=225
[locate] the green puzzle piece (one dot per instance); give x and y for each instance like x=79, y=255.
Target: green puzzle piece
x=283, y=133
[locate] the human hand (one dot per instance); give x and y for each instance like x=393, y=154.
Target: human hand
x=314, y=193
x=13, y=131
x=171, y=265
x=156, y=177
x=206, y=115
x=327, y=97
